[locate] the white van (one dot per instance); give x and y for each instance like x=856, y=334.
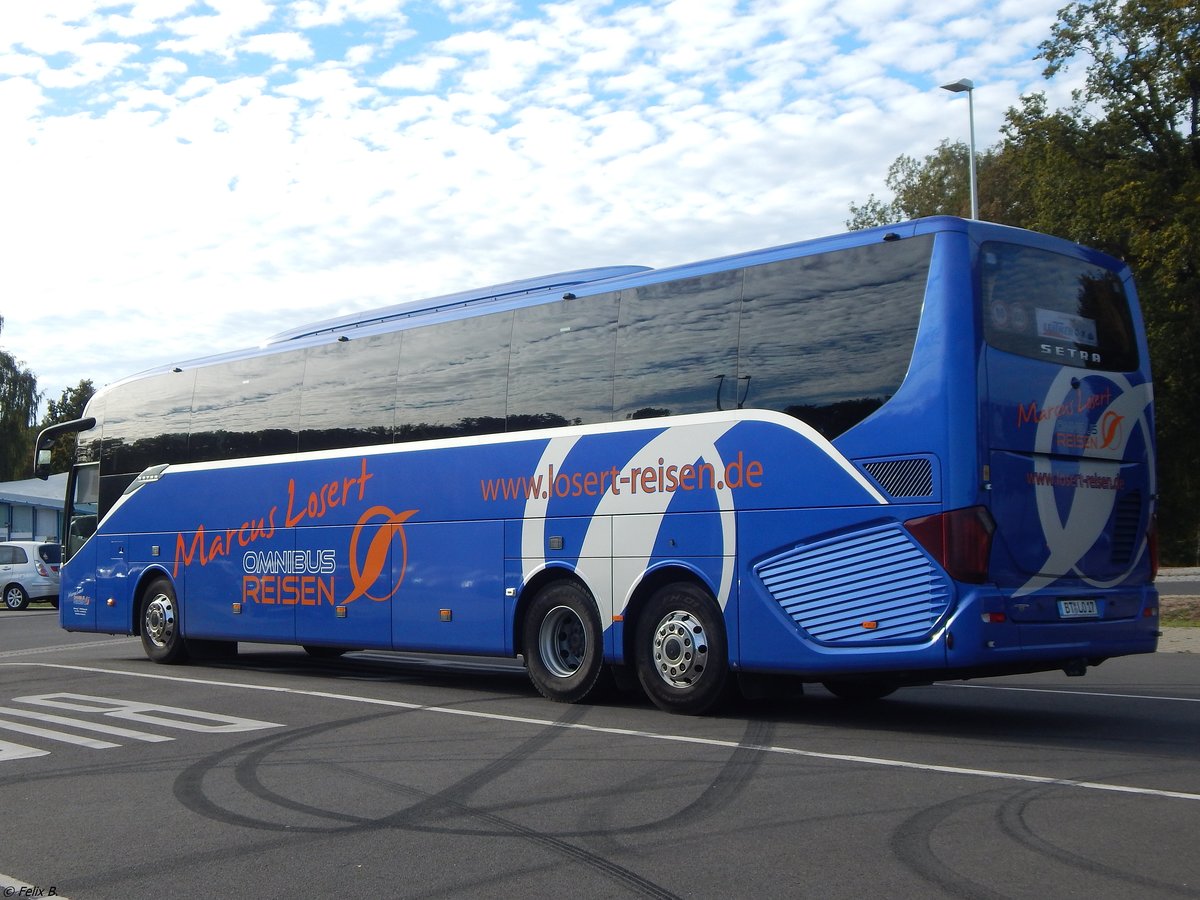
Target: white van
x=29, y=571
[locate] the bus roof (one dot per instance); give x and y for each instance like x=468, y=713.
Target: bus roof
x=542, y=284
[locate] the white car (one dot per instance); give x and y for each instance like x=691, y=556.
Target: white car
x=29, y=571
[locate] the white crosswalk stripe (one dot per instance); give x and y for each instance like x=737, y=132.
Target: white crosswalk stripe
x=113, y=730
x=32, y=723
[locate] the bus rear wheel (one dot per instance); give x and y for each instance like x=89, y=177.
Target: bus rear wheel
x=162, y=638
x=563, y=642
x=681, y=653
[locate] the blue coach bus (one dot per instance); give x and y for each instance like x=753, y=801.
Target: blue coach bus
x=885, y=458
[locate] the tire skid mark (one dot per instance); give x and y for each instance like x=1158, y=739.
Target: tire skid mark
x=1014, y=825
x=190, y=791
x=730, y=782
x=189, y=784
x=912, y=843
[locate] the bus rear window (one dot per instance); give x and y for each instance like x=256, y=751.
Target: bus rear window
x=1055, y=308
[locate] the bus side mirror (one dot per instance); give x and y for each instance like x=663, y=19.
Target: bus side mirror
x=41, y=453
x=42, y=466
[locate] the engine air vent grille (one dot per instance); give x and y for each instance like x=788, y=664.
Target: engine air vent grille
x=910, y=477
x=868, y=587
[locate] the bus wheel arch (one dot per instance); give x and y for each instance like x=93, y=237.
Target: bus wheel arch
x=677, y=641
x=158, y=621
x=529, y=591
x=561, y=637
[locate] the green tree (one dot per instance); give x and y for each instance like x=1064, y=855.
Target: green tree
x=68, y=407
x=18, y=406
x=937, y=185
x=1125, y=179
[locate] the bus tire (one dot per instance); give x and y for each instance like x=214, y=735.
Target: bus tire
x=563, y=642
x=15, y=597
x=681, y=653
x=162, y=637
x=860, y=691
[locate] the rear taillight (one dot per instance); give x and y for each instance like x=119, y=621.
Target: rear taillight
x=960, y=540
x=41, y=569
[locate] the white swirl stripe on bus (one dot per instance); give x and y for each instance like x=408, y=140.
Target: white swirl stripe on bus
x=696, y=442
x=1069, y=540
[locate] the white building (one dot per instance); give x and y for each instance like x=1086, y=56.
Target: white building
x=31, y=510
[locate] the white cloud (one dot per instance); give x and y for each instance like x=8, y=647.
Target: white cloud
x=218, y=32
x=93, y=62
x=21, y=64
x=20, y=100
x=282, y=45
x=424, y=75
x=165, y=71
x=314, y=13
x=470, y=12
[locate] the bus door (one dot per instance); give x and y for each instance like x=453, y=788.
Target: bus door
x=112, y=584
x=78, y=590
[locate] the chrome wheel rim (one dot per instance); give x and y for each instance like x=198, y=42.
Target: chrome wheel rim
x=562, y=642
x=159, y=622
x=680, y=649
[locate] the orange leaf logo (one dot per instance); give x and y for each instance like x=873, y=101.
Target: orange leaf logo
x=370, y=569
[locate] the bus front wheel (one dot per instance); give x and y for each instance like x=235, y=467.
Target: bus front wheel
x=681, y=654
x=162, y=638
x=563, y=642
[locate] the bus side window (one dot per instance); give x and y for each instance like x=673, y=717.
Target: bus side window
x=828, y=338
x=561, y=367
x=677, y=347
x=349, y=397
x=453, y=378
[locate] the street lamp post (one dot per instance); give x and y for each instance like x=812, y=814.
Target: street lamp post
x=966, y=84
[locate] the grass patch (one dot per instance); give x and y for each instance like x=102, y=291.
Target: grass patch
x=1176, y=612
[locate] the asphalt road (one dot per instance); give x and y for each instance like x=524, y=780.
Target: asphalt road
x=1179, y=582
x=394, y=776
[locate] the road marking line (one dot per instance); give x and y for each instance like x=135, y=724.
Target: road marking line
x=25, y=729
x=113, y=730
x=17, y=751
x=33, y=651
x=997, y=687
x=649, y=735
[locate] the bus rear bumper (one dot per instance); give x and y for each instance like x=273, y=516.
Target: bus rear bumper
x=990, y=627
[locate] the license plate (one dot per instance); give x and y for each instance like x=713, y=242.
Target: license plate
x=1077, y=609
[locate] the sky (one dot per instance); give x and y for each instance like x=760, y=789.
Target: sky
x=184, y=178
